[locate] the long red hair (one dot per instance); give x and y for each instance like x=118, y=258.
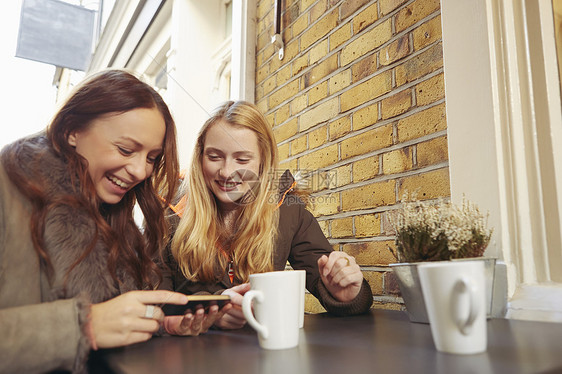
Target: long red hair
x=111, y=91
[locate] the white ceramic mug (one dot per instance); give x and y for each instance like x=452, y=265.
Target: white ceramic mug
x=302, y=289
x=277, y=301
x=455, y=299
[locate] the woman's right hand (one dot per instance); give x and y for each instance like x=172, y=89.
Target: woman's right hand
x=234, y=318
x=121, y=321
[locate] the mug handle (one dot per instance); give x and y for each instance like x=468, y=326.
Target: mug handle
x=465, y=286
x=247, y=310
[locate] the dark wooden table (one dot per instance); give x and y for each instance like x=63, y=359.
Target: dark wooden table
x=379, y=342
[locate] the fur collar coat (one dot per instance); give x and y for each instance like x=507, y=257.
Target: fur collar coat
x=41, y=317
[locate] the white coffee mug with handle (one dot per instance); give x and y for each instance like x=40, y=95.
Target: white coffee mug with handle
x=455, y=299
x=277, y=299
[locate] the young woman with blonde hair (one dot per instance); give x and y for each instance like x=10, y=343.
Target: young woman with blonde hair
x=238, y=217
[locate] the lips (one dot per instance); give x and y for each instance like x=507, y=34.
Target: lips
x=227, y=185
x=120, y=183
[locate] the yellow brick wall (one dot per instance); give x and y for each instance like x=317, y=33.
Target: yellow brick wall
x=358, y=99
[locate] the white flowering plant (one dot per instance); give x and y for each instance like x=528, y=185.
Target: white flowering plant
x=427, y=231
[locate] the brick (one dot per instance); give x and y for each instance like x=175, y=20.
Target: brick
x=364, y=19
x=283, y=151
x=317, y=52
x=365, y=169
x=320, y=71
x=317, y=11
x=325, y=205
x=421, y=65
x=320, y=158
x=306, y=3
x=431, y=90
x=283, y=75
x=300, y=25
x=432, y=152
x=259, y=92
x=318, y=93
x=387, y=227
x=324, y=227
x=282, y=114
x=339, y=81
x=318, y=114
x=427, y=33
x=287, y=34
x=339, y=176
x=292, y=165
x=290, y=15
x=391, y=285
x=367, y=225
x=371, y=253
x=262, y=74
x=364, y=68
x=262, y=105
x=317, y=137
x=340, y=36
x=312, y=305
x=349, y=7
x=339, y=128
x=366, y=116
x=283, y=93
x=317, y=180
x=396, y=104
x=270, y=84
x=397, y=161
x=265, y=54
x=367, y=42
x=422, y=123
x=263, y=7
x=368, y=141
x=369, y=196
x=415, y=12
x=387, y=6
x=286, y=130
x=298, y=104
x=299, y=145
x=395, y=51
x=265, y=23
x=342, y=228
x=299, y=64
x=429, y=185
x=375, y=280
x=385, y=305
x=270, y=118
x=263, y=41
x=319, y=29
x=366, y=91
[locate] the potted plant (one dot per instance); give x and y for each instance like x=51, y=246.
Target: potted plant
x=436, y=231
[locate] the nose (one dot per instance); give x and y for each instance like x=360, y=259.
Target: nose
x=138, y=168
x=227, y=169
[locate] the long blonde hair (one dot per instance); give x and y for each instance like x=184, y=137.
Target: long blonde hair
x=196, y=243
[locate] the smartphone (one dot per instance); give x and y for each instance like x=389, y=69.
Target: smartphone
x=194, y=303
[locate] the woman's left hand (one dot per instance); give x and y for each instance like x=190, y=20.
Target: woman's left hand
x=194, y=323
x=341, y=275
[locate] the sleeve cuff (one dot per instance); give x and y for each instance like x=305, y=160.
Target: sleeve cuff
x=361, y=304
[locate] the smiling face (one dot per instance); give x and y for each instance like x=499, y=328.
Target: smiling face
x=231, y=162
x=121, y=150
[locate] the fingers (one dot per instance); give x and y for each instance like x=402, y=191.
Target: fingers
x=334, y=263
x=236, y=293
x=232, y=318
x=159, y=297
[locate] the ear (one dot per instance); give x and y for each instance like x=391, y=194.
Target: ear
x=72, y=139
